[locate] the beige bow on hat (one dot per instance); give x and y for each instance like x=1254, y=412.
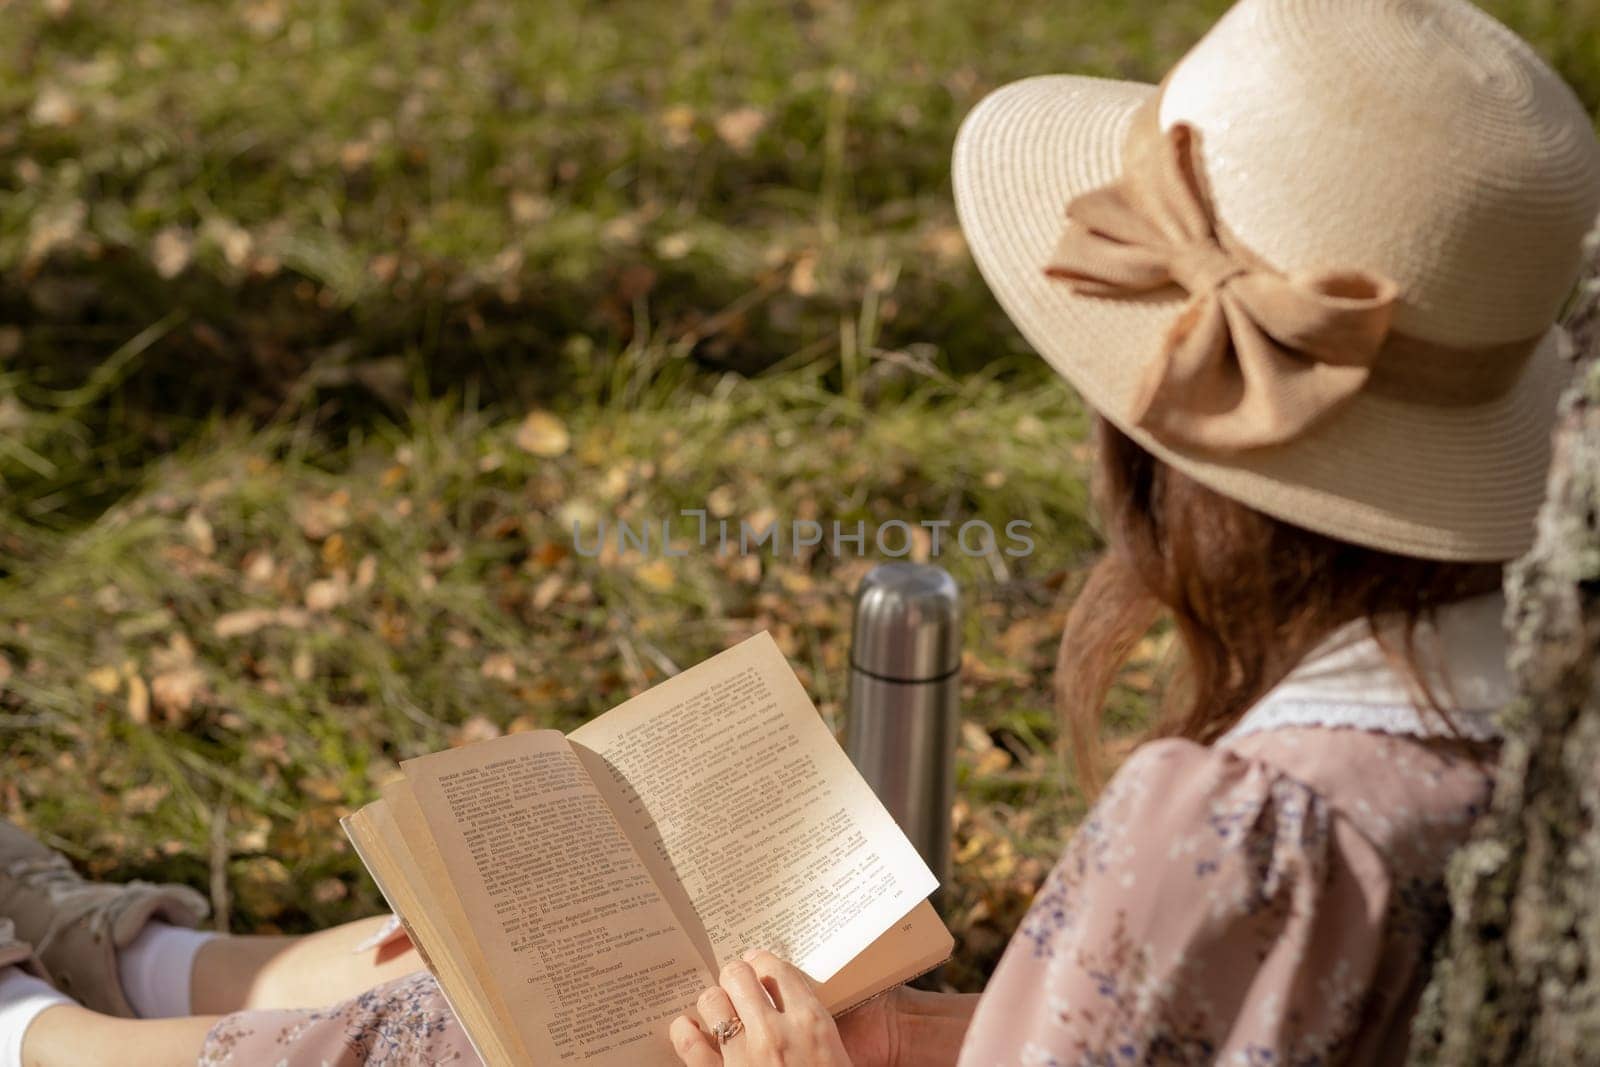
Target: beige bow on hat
x=1255, y=357
x=1196, y=293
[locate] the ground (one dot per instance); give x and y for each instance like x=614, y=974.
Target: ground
x=321, y=324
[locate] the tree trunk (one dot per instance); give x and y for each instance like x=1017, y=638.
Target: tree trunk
x=1518, y=975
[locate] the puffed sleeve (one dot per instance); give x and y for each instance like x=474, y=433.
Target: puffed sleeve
x=1209, y=909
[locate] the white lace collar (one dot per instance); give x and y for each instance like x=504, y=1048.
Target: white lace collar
x=1345, y=682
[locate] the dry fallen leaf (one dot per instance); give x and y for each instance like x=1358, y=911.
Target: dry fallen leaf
x=180, y=652
x=320, y=518
x=624, y=229
x=675, y=245
x=258, y=568
x=263, y=17
x=171, y=251
x=138, y=700
x=353, y=155
x=54, y=107
x=477, y=728
x=993, y=762
x=722, y=500
x=243, y=623
x=104, y=680
x=174, y=691
x=677, y=122
x=1026, y=637
x=262, y=885
x=197, y=528
x=796, y=583
x=543, y=434
x=744, y=568
x=657, y=574
x=303, y=666
x=143, y=799
x=499, y=666
x=528, y=208
x=975, y=737
x=549, y=553
x=945, y=243
x=329, y=891
x=59, y=228
x=740, y=127
x=234, y=240
x=803, y=277
x=335, y=552
x=545, y=593
x=321, y=788
x=325, y=594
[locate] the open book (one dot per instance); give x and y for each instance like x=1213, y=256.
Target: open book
x=573, y=894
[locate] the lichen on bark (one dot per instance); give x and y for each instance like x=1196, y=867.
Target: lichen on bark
x=1517, y=979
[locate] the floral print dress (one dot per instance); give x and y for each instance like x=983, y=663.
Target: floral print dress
x=402, y=1023
x=1267, y=901
x=1271, y=900
x=1272, y=903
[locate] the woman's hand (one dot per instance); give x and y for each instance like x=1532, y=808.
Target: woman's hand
x=784, y=1024
x=871, y=1033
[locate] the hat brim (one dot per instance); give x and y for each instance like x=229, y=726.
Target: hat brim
x=1451, y=483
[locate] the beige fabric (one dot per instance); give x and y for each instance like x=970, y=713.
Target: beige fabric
x=1458, y=166
x=1254, y=357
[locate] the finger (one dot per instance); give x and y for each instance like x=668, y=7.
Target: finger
x=749, y=998
x=691, y=1044
x=793, y=989
x=715, y=1007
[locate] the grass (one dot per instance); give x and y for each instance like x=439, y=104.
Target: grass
x=203, y=680
x=280, y=282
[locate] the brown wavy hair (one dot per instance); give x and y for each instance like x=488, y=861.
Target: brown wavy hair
x=1247, y=594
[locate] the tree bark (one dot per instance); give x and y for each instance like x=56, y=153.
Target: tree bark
x=1518, y=976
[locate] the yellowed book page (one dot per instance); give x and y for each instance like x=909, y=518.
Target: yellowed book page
x=382, y=847
x=446, y=912
x=590, y=959
x=917, y=943
x=749, y=814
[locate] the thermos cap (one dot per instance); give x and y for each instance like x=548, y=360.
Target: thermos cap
x=907, y=624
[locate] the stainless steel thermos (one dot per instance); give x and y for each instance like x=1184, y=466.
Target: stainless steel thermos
x=904, y=710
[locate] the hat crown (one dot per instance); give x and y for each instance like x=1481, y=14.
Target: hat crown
x=1419, y=139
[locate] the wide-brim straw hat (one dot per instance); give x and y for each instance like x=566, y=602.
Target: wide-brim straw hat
x=1418, y=145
